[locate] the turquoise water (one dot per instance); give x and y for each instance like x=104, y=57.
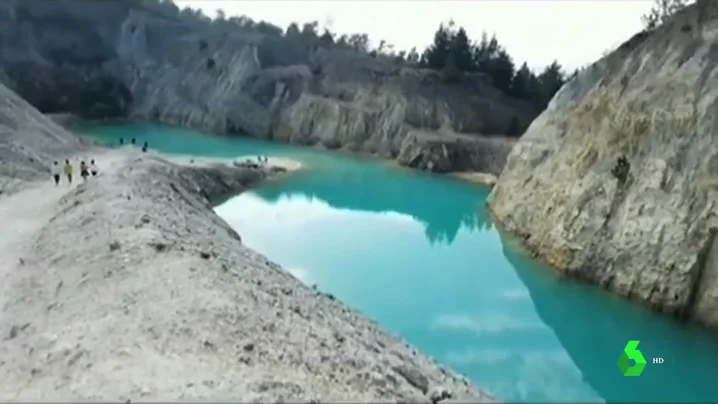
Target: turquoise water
x=415, y=252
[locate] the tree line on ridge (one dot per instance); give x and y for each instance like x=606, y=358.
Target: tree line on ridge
x=452, y=52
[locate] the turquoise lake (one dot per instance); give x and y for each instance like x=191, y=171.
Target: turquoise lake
x=417, y=253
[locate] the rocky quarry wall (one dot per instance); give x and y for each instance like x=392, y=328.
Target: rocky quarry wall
x=29, y=142
x=116, y=60
x=616, y=182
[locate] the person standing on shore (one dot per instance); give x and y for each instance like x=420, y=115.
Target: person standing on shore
x=68, y=171
x=83, y=171
x=144, y=147
x=56, y=173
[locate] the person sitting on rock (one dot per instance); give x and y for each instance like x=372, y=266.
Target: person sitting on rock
x=93, y=168
x=68, y=171
x=56, y=172
x=83, y=171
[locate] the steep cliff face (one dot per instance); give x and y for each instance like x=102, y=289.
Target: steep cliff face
x=449, y=152
x=29, y=141
x=615, y=182
x=53, y=58
x=337, y=98
x=139, y=64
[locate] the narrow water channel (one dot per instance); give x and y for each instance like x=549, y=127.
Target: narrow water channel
x=416, y=252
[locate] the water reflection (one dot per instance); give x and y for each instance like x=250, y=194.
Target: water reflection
x=459, y=302
x=594, y=326
x=340, y=181
x=371, y=190
x=420, y=257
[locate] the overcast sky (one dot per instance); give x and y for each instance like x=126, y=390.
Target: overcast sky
x=575, y=32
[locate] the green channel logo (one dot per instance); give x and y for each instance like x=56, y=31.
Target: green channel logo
x=631, y=352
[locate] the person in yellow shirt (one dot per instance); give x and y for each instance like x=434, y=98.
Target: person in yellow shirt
x=68, y=171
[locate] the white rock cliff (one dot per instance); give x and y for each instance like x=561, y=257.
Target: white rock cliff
x=616, y=182
x=123, y=60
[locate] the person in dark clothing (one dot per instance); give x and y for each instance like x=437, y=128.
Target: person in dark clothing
x=83, y=171
x=56, y=172
x=132, y=141
x=144, y=147
x=122, y=141
x=93, y=168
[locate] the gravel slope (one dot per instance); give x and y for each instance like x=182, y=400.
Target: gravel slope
x=129, y=287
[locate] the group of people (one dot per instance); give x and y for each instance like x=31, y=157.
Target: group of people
x=133, y=141
x=85, y=171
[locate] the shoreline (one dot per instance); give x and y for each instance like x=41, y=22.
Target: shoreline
x=471, y=177
x=129, y=286
x=71, y=122
x=554, y=267
x=475, y=177
x=247, y=323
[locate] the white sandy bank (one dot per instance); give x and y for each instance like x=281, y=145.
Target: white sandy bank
x=130, y=287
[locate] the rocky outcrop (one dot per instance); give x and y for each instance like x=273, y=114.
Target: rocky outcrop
x=615, y=183
x=52, y=57
x=175, y=70
x=28, y=142
x=449, y=152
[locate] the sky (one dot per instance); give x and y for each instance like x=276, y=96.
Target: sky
x=574, y=32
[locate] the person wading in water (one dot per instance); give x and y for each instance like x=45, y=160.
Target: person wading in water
x=68, y=171
x=144, y=147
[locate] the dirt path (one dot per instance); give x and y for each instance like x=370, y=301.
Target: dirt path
x=23, y=215
x=131, y=288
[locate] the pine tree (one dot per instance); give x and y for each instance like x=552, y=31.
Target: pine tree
x=460, y=49
x=551, y=79
x=327, y=39
x=521, y=82
x=486, y=50
x=292, y=30
x=437, y=54
x=501, y=70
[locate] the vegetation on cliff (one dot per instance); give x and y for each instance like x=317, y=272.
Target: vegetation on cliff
x=662, y=10
x=452, y=51
x=47, y=69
